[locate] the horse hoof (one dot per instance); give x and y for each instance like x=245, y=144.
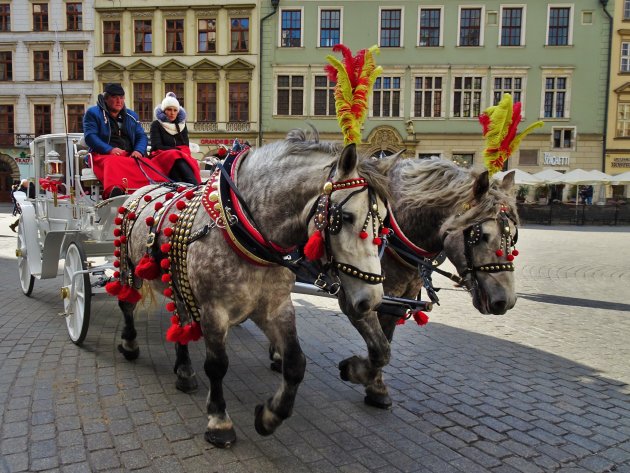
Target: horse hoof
x=129, y=355
x=380, y=401
x=258, y=423
x=187, y=385
x=344, y=370
x=276, y=366
x=221, y=438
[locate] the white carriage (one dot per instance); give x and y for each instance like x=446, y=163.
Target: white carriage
x=64, y=218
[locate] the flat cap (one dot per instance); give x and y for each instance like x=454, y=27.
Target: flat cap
x=114, y=89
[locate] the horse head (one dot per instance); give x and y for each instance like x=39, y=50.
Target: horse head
x=479, y=240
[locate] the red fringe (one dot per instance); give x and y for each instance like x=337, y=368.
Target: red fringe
x=420, y=317
x=113, y=288
x=129, y=294
x=147, y=268
x=401, y=321
x=484, y=119
x=314, y=248
x=174, y=333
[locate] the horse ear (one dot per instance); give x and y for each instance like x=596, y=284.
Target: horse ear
x=347, y=162
x=508, y=181
x=481, y=186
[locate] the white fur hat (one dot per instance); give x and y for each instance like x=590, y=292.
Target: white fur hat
x=170, y=101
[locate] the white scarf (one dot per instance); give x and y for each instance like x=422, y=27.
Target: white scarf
x=171, y=129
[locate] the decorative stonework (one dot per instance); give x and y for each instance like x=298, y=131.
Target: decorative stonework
x=206, y=13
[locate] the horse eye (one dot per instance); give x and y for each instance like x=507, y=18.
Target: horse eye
x=347, y=218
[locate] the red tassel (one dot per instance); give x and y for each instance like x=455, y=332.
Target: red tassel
x=147, y=268
x=129, y=294
x=401, y=321
x=195, y=331
x=113, y=288
x=314, y=248
x=174, y=333
x=420, y=317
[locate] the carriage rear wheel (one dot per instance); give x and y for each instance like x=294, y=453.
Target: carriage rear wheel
x=27, y=280
x=77, y=303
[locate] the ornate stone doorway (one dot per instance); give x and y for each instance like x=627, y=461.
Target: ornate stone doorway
x=9, y=172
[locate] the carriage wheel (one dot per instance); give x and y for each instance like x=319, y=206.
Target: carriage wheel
x=76, y=306
x=27, y=280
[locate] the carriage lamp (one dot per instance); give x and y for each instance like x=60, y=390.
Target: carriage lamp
x=53, y=165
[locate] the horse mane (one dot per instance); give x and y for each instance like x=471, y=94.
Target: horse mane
x=440, y=184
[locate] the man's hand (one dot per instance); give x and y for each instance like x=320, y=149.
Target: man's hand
x=117, y=152
x=136, y=154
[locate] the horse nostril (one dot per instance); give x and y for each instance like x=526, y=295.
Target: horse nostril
x=498, y=307
x=363, y=306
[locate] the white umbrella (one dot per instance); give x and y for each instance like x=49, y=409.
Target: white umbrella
x=549, y=176
x=580, y=176
x=521, y=178
x=620, y=179
x=605, y=178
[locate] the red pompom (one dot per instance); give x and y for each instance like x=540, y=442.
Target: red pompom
x=123, y=239
x=363, y=235
x=117, y=253
x=117, y=242
x=165, y=248
x=181, y=205
x=116, y=264
x=116, y=274
x=168, y=195
x=117, y=232
x=165, y=263
x=147, y=268
x=171, y=307
x=385, y=231
x=314, y=248
x=168, y=231
x=190, y=194
x=377, y=241
x=129, y=294
x=420, y=317
x=173, y=218
x=174, y=333
x=515, y=252
x=166, y=277
x=118, y=220
x=113, y=288
x=150, y=221
x=499, y=252
x=509, y=257
x=168, y=292
x=131, y=216
x=174, y=319
x=121, y=210
x=158, y=206
x=181, y=189
x=195, y=331
x=221, y=152
x=401, y=321
x=148, y=198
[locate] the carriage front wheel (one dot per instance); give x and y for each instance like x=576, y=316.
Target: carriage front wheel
x=27, y=280
x=77, y=301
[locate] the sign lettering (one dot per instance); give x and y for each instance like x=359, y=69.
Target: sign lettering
x=620, y=163
x=550, y=159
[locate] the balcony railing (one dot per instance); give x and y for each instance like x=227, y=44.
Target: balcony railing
x=17, y=140
x=213, y=127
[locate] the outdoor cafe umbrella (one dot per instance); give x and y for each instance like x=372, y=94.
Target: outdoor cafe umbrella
x=580, y=176
x=619, y=179
x=521, y=178
x=550, y=176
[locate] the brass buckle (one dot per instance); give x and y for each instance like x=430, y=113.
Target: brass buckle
x=150, y=240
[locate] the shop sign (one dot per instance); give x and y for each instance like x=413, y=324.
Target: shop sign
x=620, y=163
x=216, y=141
x=23, y=158
x=551, y=159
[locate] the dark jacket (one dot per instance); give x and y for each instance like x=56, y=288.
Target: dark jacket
x=97, y=133
x=162, y=139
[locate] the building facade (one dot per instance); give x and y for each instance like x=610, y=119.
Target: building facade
x=204, y=52
x=443, y=64
x=45, y=76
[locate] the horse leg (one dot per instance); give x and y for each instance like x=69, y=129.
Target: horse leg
x=186, y=376
x=129, y=346
x=282, y=333
x=368, y=371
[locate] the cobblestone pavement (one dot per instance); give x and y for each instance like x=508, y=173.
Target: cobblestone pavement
x=544, y=388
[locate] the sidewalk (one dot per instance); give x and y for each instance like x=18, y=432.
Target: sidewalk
x=544, y=388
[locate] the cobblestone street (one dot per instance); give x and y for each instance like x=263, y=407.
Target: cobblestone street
x=545, y=388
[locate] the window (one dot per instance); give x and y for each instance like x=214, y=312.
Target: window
x=290, y=99
x=143, y=100
x=427, y=97
x=239, y=102
x=625, y=57
x=430, y=27
x=207, y=102
x=623, y=120
x=75, y=118
x=291, y=29
x=528, y=157
x=507, y=85
x=559, y=30
x=7, y=125
x=511, y=26
x=75, y=65
x=5, y=17
x=207, y=36
x=174, y=36
x=178, y=89
x=626, y=9
x=6, y=66
x=239, y=35
x=111, y=37
x=324, y=99
x=563, y=138
x=429, y=155
x=386, y=97
x=41, y=115
x=143, y=36
x=40, y=17
x=41, y=65
x=467, y=92
x=555, y=97
x=470, y=27
x=464, y=160
x=74, y=16
x=329, y=28
x=391, y=24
